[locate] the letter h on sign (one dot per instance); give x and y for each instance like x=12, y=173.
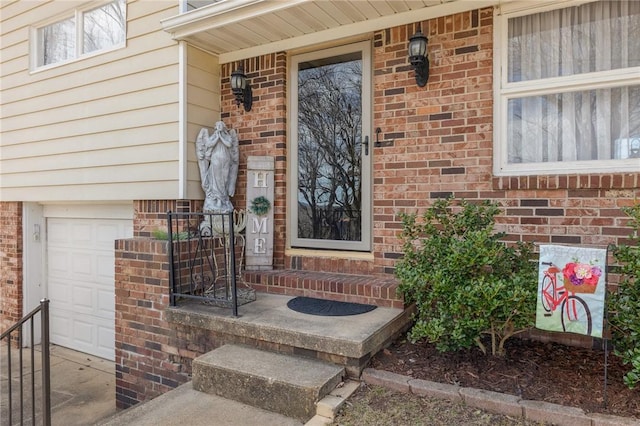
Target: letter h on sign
x=260, y=179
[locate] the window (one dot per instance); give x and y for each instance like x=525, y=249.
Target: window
x=84, y=32
x=188, y=5
x=568, y=89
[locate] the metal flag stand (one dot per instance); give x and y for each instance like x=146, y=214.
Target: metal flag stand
x=605, y=337
x=606, y=329
x=549, y=296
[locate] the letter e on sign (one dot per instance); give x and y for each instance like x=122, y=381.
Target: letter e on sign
x=260, y=246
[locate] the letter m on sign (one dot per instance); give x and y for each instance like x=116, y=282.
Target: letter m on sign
x=259, y=225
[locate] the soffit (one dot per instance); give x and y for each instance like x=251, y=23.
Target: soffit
x=238, y=29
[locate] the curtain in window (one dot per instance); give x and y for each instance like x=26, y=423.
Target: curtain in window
x=590, y=124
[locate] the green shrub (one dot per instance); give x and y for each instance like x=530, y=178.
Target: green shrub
x=624, y=305
x=465, y=281
x=160, y=234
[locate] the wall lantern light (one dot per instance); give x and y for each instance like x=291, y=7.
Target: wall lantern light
x=418, y=57
x=241, y=89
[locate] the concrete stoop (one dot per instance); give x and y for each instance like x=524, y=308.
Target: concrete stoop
x=272, y=358
x=267, y=323
x=285, y=384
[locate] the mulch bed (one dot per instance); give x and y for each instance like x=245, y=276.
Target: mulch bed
x=532, y=370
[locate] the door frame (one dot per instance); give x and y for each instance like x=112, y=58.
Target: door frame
x=367, y=160
x=34, y=236
x=33, y=265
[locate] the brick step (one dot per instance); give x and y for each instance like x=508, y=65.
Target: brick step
x=284, y=384
x=379, y=290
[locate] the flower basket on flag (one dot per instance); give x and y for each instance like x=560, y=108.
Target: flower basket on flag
x=581, y=277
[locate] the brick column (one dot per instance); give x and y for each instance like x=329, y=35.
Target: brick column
x=262, y=131
x=147, y=361
x=10, y=263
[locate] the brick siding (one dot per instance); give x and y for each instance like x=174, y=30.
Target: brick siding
x=10, y=264
x=375, y=290
x=436, y=141
x=151, y=215
x=147, y=360
x=262, y=131
x=443, y=145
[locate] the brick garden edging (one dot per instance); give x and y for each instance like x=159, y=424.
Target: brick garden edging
x=495, y=402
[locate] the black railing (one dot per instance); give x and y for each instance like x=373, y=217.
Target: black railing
x=206, y=253
x=15, y=339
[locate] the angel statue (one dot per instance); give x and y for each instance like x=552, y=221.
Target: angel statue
x=218, y=158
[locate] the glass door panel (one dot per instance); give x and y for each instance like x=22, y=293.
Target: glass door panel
x=330, y=129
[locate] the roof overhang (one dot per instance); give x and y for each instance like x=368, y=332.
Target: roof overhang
x=239, y=29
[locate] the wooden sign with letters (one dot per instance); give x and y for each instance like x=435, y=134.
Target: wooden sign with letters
x=259, y=230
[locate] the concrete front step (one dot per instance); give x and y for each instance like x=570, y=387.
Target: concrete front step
x=268, y=323
x=284, y=384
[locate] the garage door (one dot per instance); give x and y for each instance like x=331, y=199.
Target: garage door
x=80, y=282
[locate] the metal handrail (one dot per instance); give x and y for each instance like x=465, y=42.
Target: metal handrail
x=43, y=308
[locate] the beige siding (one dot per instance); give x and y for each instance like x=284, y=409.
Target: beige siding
x=203, y=109
x=104, y=127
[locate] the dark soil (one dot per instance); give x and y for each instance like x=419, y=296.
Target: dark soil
x=532, y=370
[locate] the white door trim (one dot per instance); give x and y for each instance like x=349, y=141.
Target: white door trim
x=90, y=211
x=33, y=279
x=367, y=176
x=46, y=212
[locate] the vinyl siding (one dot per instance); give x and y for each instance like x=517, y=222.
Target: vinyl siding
x=203, y=109
x=103, y=127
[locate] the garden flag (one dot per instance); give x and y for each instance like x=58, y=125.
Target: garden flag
x=571, y=289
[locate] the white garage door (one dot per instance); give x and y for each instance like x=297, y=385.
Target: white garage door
x=80, y=278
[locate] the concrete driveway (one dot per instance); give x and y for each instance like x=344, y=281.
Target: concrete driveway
x=82, y=387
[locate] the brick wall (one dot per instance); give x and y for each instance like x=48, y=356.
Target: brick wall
x=151, y=215
x=153, y=355
x=261, y=131
x=442, y=144
x=436, y=141
x=147, y=361
x=10, y=264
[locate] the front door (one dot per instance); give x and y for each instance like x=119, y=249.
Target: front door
x=331, y=151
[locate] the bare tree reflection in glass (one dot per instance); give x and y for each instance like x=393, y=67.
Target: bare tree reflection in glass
x=329, y=148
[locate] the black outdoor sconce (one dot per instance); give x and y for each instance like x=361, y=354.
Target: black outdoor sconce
x=418, y=57
x=241, y=89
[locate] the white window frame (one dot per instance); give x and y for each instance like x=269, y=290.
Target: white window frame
x=78, y=15
x=505, y=90
x=184, y=5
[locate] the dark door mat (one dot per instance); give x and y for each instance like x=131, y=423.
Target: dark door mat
x=328, y=308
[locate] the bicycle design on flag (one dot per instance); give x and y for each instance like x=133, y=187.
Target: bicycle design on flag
x=571, y=289
x=575, y=314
